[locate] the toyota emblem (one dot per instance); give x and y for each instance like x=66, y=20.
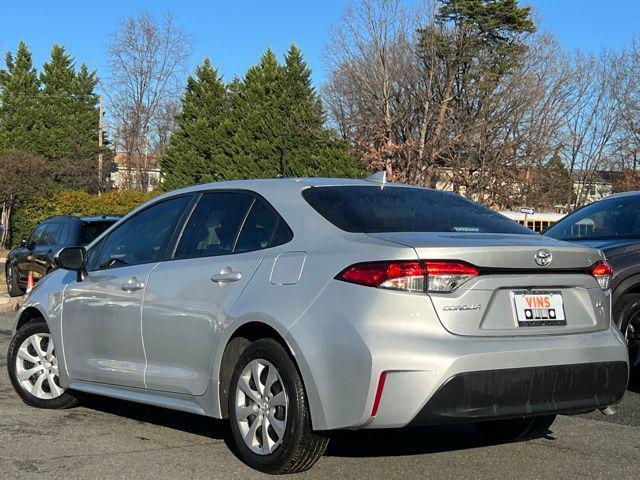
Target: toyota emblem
x=543, y=257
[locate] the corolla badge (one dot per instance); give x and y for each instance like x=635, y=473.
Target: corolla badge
x=543, y=258
x=461, y=308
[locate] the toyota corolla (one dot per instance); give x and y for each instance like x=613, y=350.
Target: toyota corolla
x=294, y=307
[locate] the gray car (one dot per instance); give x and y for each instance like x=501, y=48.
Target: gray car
x=294, y=307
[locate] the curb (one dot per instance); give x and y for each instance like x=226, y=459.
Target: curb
x=9, y=304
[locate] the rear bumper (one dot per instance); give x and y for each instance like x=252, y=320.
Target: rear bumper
x=520, y=392
x=352, y=334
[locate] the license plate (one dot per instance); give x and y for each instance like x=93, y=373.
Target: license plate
x=539, y=309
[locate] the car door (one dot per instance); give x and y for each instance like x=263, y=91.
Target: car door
x=189, y=297
x=24, y=256
x=102, y=313
x=44, y=249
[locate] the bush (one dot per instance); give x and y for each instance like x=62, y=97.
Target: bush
x=72, y=202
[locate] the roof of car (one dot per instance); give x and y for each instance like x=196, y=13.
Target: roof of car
x=101, y=218
x=97, y=218
x=623, y=194
x=284, y=183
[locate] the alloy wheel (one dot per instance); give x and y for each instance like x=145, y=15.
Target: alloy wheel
x=37, y=367
x=261, y=407
x=10, y=275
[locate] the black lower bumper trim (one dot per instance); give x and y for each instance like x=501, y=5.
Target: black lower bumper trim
x=521, y=392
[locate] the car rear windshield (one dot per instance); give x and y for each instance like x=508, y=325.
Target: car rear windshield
x=373, y=209
x=89, y=230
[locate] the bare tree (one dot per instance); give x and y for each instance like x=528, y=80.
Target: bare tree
x=369, y=54
x=592, y=121
x=146, y=73
x=416, y=97
x=627, y=142
x=489, y=109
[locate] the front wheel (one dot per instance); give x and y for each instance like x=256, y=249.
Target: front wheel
x=515, y=429
x=33, y=368
x=268, y=411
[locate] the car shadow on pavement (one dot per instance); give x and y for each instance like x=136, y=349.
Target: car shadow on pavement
x=344, y=443
x=409, y=441
x=186, y=422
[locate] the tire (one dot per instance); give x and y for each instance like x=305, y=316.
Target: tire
x=13, y=285
x=42, y=388
x=515, y=429
x=283, y=403
x=627, y=317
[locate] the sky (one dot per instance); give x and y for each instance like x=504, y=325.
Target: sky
x=235, y=33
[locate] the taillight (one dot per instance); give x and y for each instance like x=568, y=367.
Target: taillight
x=402, y=275
x=447, y=276
x=602, y=272
x=413, y=276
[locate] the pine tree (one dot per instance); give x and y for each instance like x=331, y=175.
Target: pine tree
x=245, y=128
x=277, y=113
x=69, y=121
x=259, y=119
x=19, y=95
x=198, y=149
x=313, y=149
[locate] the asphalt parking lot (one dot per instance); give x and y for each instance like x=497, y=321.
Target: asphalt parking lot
x=107, y=439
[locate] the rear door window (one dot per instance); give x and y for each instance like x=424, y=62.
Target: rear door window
x=258, y=228
x=64, y=234
x=89, y=231
x=374, y=209
x=213, y=227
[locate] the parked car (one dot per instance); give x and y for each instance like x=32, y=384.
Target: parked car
x=613, y=226
x=294, y=307
x=35, y=254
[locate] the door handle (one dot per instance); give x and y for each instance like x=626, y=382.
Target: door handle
x=225, y=276
x=132, y=285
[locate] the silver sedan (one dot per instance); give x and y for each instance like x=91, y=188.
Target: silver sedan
x=293, y=307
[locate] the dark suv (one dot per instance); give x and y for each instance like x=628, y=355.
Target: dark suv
x=35, y=254
x=613, y=226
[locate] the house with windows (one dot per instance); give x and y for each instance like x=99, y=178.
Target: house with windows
x=590, y=187
x=135, y=171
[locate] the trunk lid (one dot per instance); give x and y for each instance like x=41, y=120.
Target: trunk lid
x=486, y=305
x=496, y=251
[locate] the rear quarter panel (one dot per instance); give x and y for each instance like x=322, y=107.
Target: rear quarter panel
x=281, y=306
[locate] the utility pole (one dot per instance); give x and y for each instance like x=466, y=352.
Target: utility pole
x=100, y=142
x=283, y=164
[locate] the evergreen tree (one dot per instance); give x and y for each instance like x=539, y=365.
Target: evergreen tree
x=69, y=121
x=198, y=151
x=19, y=95
x=245, y=129
x=259, y=119
x=312, y=149
x=277, y=113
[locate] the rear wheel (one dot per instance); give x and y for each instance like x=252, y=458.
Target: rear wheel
x=515, y=429
x=627, y=316
x=268, y=411
x=33, y=368
x=13, y=285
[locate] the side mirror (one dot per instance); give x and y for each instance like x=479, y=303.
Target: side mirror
x=71, y=258
x=24, y=242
